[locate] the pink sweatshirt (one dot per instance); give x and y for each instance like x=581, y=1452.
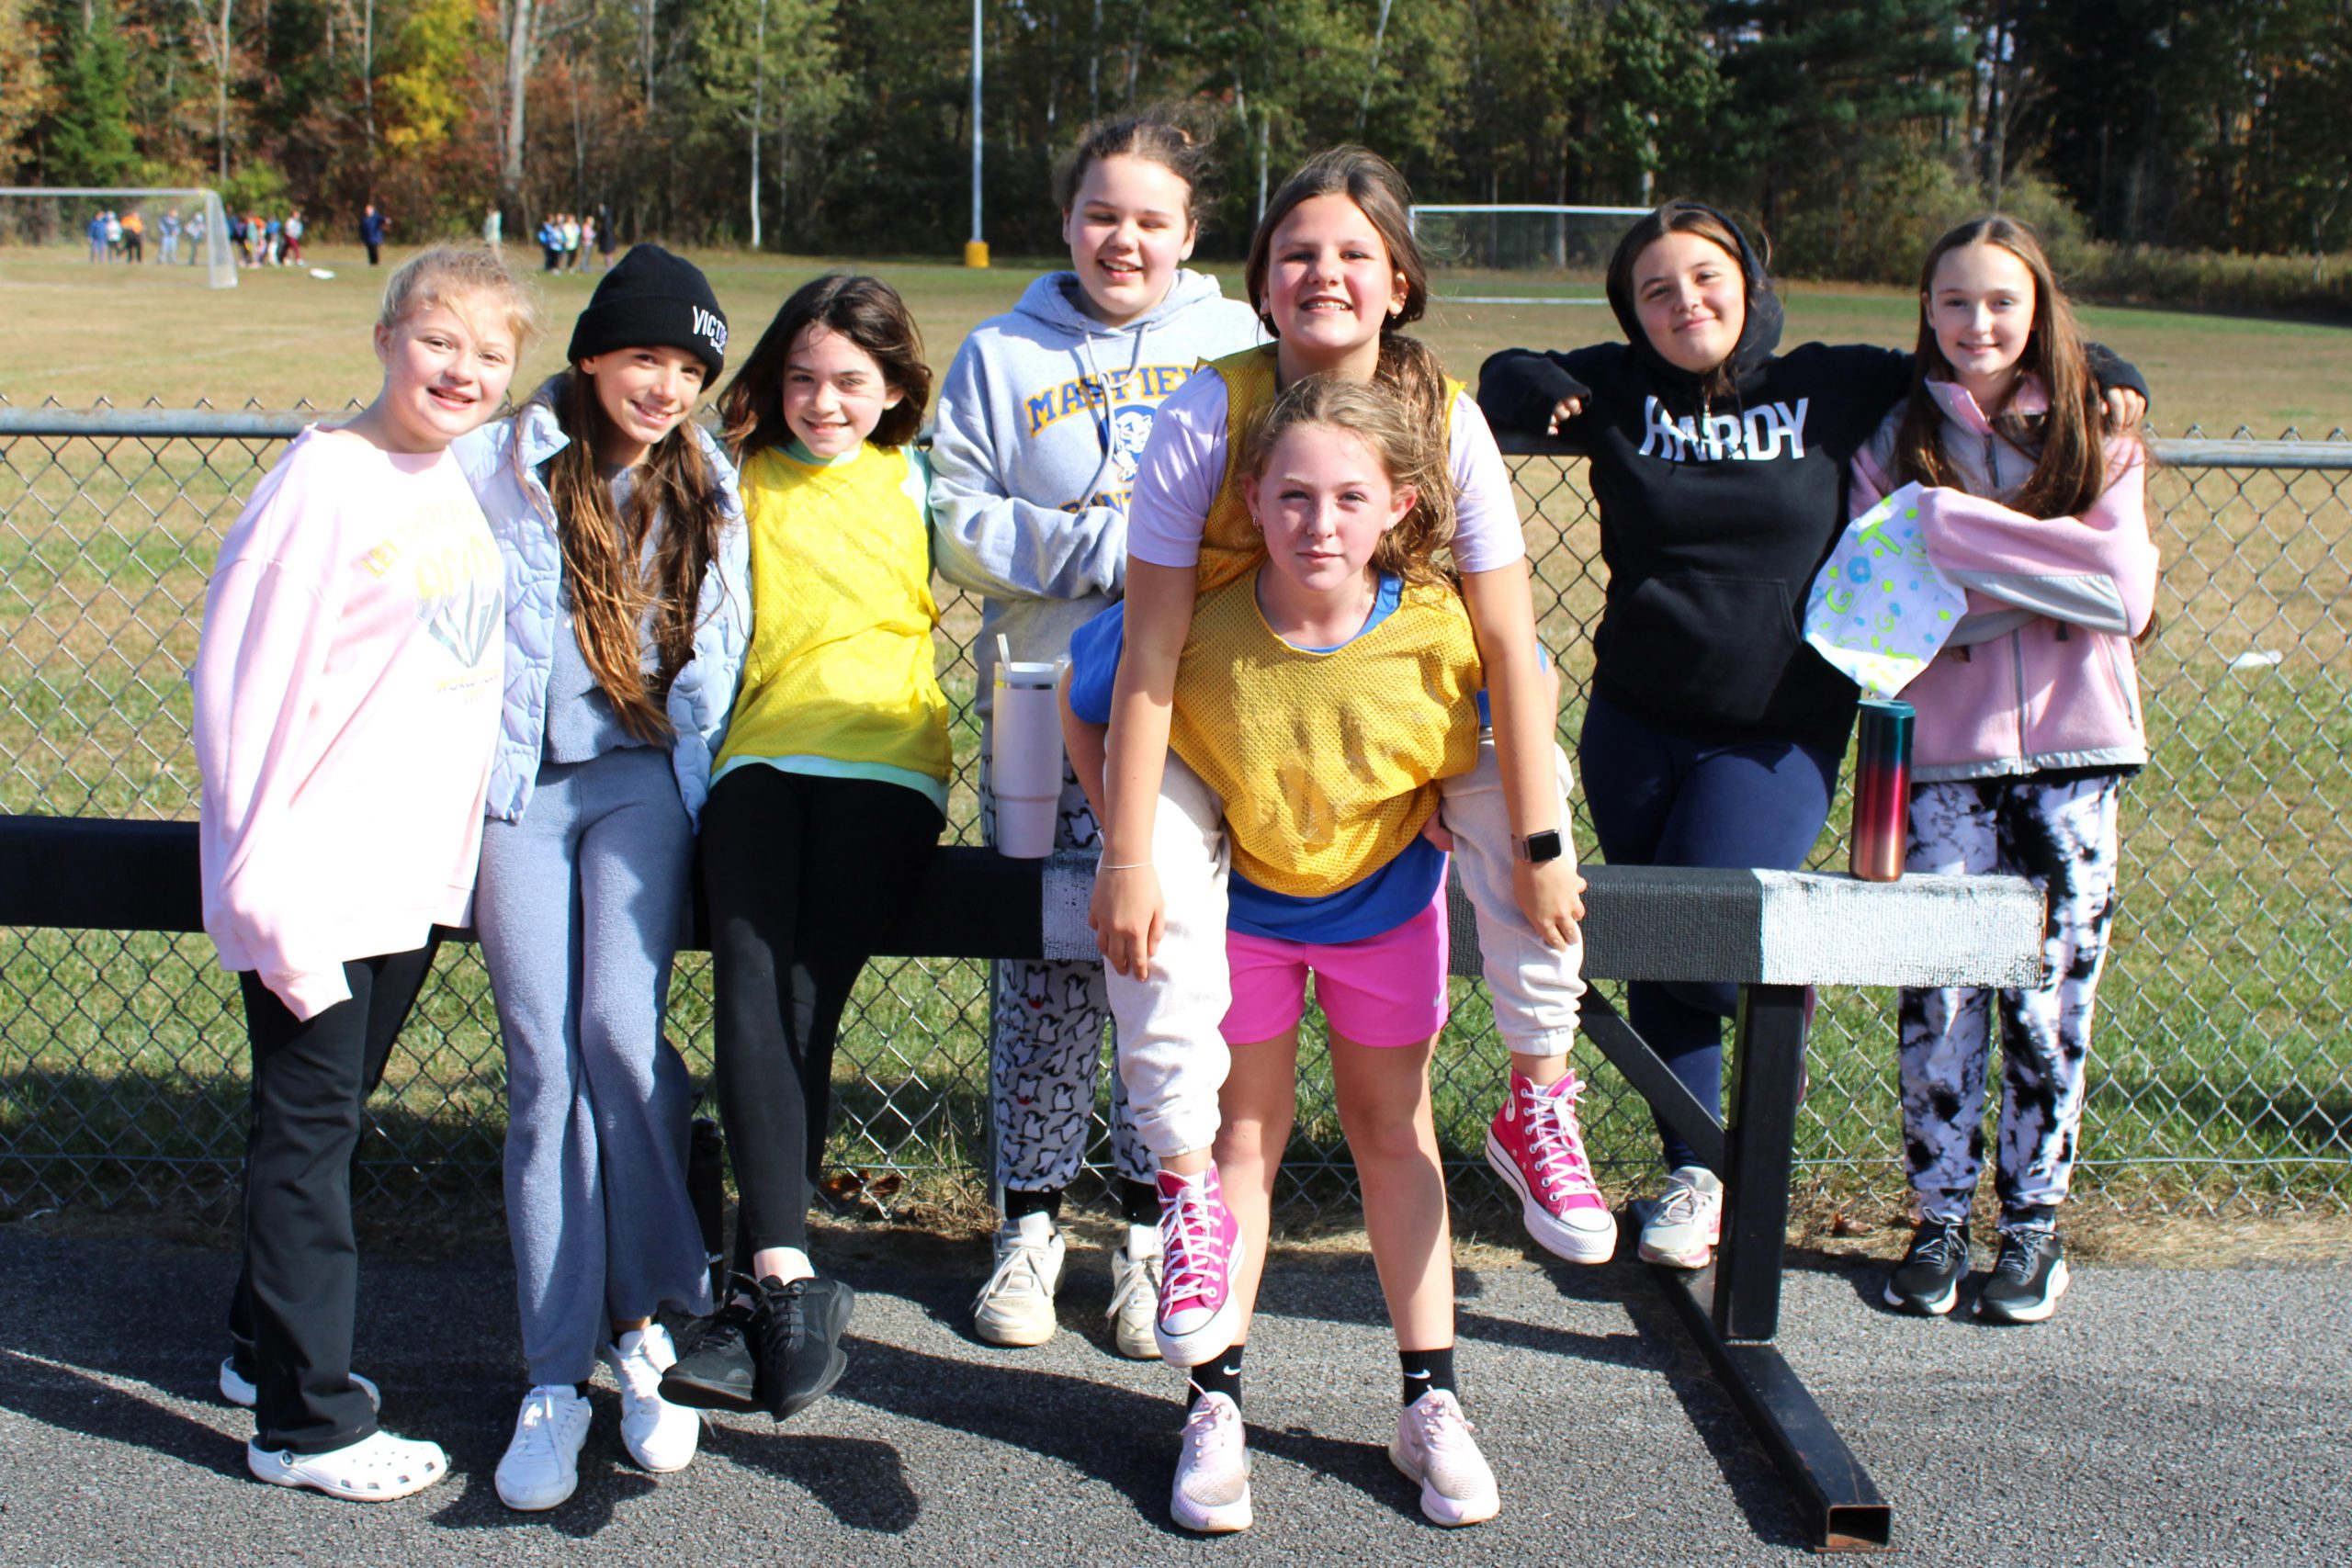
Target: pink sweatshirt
x=2040, y=673
x=347, y=689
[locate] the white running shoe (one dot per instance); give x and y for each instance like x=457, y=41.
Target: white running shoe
x=1135, y=1294
x=1212, y=1490
x=542, y=1463
x=1434, y=1448
x=1686, y=1221
x=659, y=1436
x=1016, y=1306
x=239, y=1390
x=376, y=1468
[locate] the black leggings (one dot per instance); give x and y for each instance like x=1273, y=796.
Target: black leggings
x=297, y=1298
x=803, y=876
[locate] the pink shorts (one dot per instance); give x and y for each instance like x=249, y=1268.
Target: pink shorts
x=1385, y=990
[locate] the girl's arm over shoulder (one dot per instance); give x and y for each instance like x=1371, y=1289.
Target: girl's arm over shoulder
x=2096, y=570
x=994, y=542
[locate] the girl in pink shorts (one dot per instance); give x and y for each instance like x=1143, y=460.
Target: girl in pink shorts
x=1322, y=698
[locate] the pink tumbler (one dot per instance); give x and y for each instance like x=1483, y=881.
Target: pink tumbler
x=1881, y=791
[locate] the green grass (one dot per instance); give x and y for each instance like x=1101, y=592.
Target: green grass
x=2220, y=1063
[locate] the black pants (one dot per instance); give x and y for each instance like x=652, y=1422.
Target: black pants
x=296, y=1300
x=803, y=876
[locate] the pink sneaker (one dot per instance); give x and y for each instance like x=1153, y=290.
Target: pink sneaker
x=1534, y=1146
x=1200, y=1244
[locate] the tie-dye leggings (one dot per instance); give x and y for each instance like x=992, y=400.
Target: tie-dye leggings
x=2060, y=835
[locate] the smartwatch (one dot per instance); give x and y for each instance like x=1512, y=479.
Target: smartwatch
x=1537, y=848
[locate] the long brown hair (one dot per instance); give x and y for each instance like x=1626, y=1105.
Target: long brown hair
x=866, y=310
x=2070, y=465
x=1397, y=438
x=614, y=591
x=1407, y=364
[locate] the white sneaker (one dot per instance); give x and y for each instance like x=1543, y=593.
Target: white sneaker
x=1686, y=1221
x=1434, y=1447
x=376, y=1468
x=542, y=1463
x=1016, y=1306
x=1212, y=1490
x=1135, y=1294
x=239, y=1390
x=659, y=1436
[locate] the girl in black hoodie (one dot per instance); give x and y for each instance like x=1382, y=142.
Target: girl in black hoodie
x=1713, y=734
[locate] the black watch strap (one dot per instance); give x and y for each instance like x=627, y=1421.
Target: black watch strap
x=1537, y=848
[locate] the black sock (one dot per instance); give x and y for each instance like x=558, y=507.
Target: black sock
x=1219, y=1374
x=1044, y=1200
x=1139, y=1201
x=1426, y=1369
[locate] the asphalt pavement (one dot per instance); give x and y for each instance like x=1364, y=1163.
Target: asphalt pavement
x=2161, y=1417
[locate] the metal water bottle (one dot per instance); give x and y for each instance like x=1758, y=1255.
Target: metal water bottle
x=1881, y=790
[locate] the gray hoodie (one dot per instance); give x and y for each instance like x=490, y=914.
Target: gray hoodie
x=1031, y=463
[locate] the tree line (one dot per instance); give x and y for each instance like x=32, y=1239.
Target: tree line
x=844, y=125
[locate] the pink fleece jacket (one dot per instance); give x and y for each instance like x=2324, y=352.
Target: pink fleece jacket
x=348, y=688
x=2040, y=675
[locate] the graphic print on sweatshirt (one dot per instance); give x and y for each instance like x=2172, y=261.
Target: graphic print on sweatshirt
x=453, y=564
x=1754, y=436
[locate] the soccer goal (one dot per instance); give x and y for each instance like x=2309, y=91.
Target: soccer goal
x=184, y=228
x=1525, y=242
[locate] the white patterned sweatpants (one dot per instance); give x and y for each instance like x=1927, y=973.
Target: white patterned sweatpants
x=1045, y=1024
x=2061, y=837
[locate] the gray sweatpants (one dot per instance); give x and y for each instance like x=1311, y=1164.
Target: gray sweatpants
x=579, y=906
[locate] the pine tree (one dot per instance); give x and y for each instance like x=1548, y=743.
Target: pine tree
x=89, y=136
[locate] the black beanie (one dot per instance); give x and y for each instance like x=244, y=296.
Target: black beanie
x=652, y=299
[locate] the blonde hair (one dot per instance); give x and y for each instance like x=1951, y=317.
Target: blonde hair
x=457, y=276
x=1400, y=441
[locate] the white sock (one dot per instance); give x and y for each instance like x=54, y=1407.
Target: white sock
x=1143, y=1241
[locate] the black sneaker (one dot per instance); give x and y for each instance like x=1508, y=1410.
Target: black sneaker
x=718, y=1372
x=2027, y=1278
x=797, y=1331
x=1928, y=1280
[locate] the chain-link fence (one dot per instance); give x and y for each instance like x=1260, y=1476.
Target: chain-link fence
x=2222, y=1073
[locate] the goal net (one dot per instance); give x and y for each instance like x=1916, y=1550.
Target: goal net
x=183, y=230
x=1566, y=245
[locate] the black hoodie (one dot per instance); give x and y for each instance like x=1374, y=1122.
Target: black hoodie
x=1714, y=514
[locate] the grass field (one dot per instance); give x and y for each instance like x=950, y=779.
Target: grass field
x=2224, y=1063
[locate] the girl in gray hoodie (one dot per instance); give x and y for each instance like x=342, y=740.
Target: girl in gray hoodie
x=1043, y=415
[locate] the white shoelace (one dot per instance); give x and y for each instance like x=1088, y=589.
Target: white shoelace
x=1679, y=1205
x=1023, y=1256
x=1188, y=1245
x=1143, y=1279
x=1550, y=1121
x=535, y=1430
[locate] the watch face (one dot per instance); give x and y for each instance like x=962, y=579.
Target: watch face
x=1540, y=847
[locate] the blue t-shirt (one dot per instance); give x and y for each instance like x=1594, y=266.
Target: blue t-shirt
x=1380, y=902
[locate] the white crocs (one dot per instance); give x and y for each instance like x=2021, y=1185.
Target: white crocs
x=376, y=1468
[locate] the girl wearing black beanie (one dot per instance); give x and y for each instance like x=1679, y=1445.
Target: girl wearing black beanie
x=628, y=606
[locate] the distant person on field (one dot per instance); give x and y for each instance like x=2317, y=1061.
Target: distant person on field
x=98, y=232
x=274, y=236
x=372, y=225
x=114, y=235
x=587, y=241
x=293, y=232
x=493, y=229
x=197, y=228
x=2028, y=723
x=605, y=237
x=571, y=242
x=134, y=237
x=551, y=242
x=167, y=236
x=347, y=690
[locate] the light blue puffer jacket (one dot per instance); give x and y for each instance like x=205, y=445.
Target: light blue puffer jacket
x=501, y=461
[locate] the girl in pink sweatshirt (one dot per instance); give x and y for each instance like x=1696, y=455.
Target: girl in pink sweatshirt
x=2028, y=721
x=348, y=695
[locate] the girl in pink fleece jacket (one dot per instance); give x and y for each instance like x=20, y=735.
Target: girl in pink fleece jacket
x=2028, y=721
x=348, y=695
